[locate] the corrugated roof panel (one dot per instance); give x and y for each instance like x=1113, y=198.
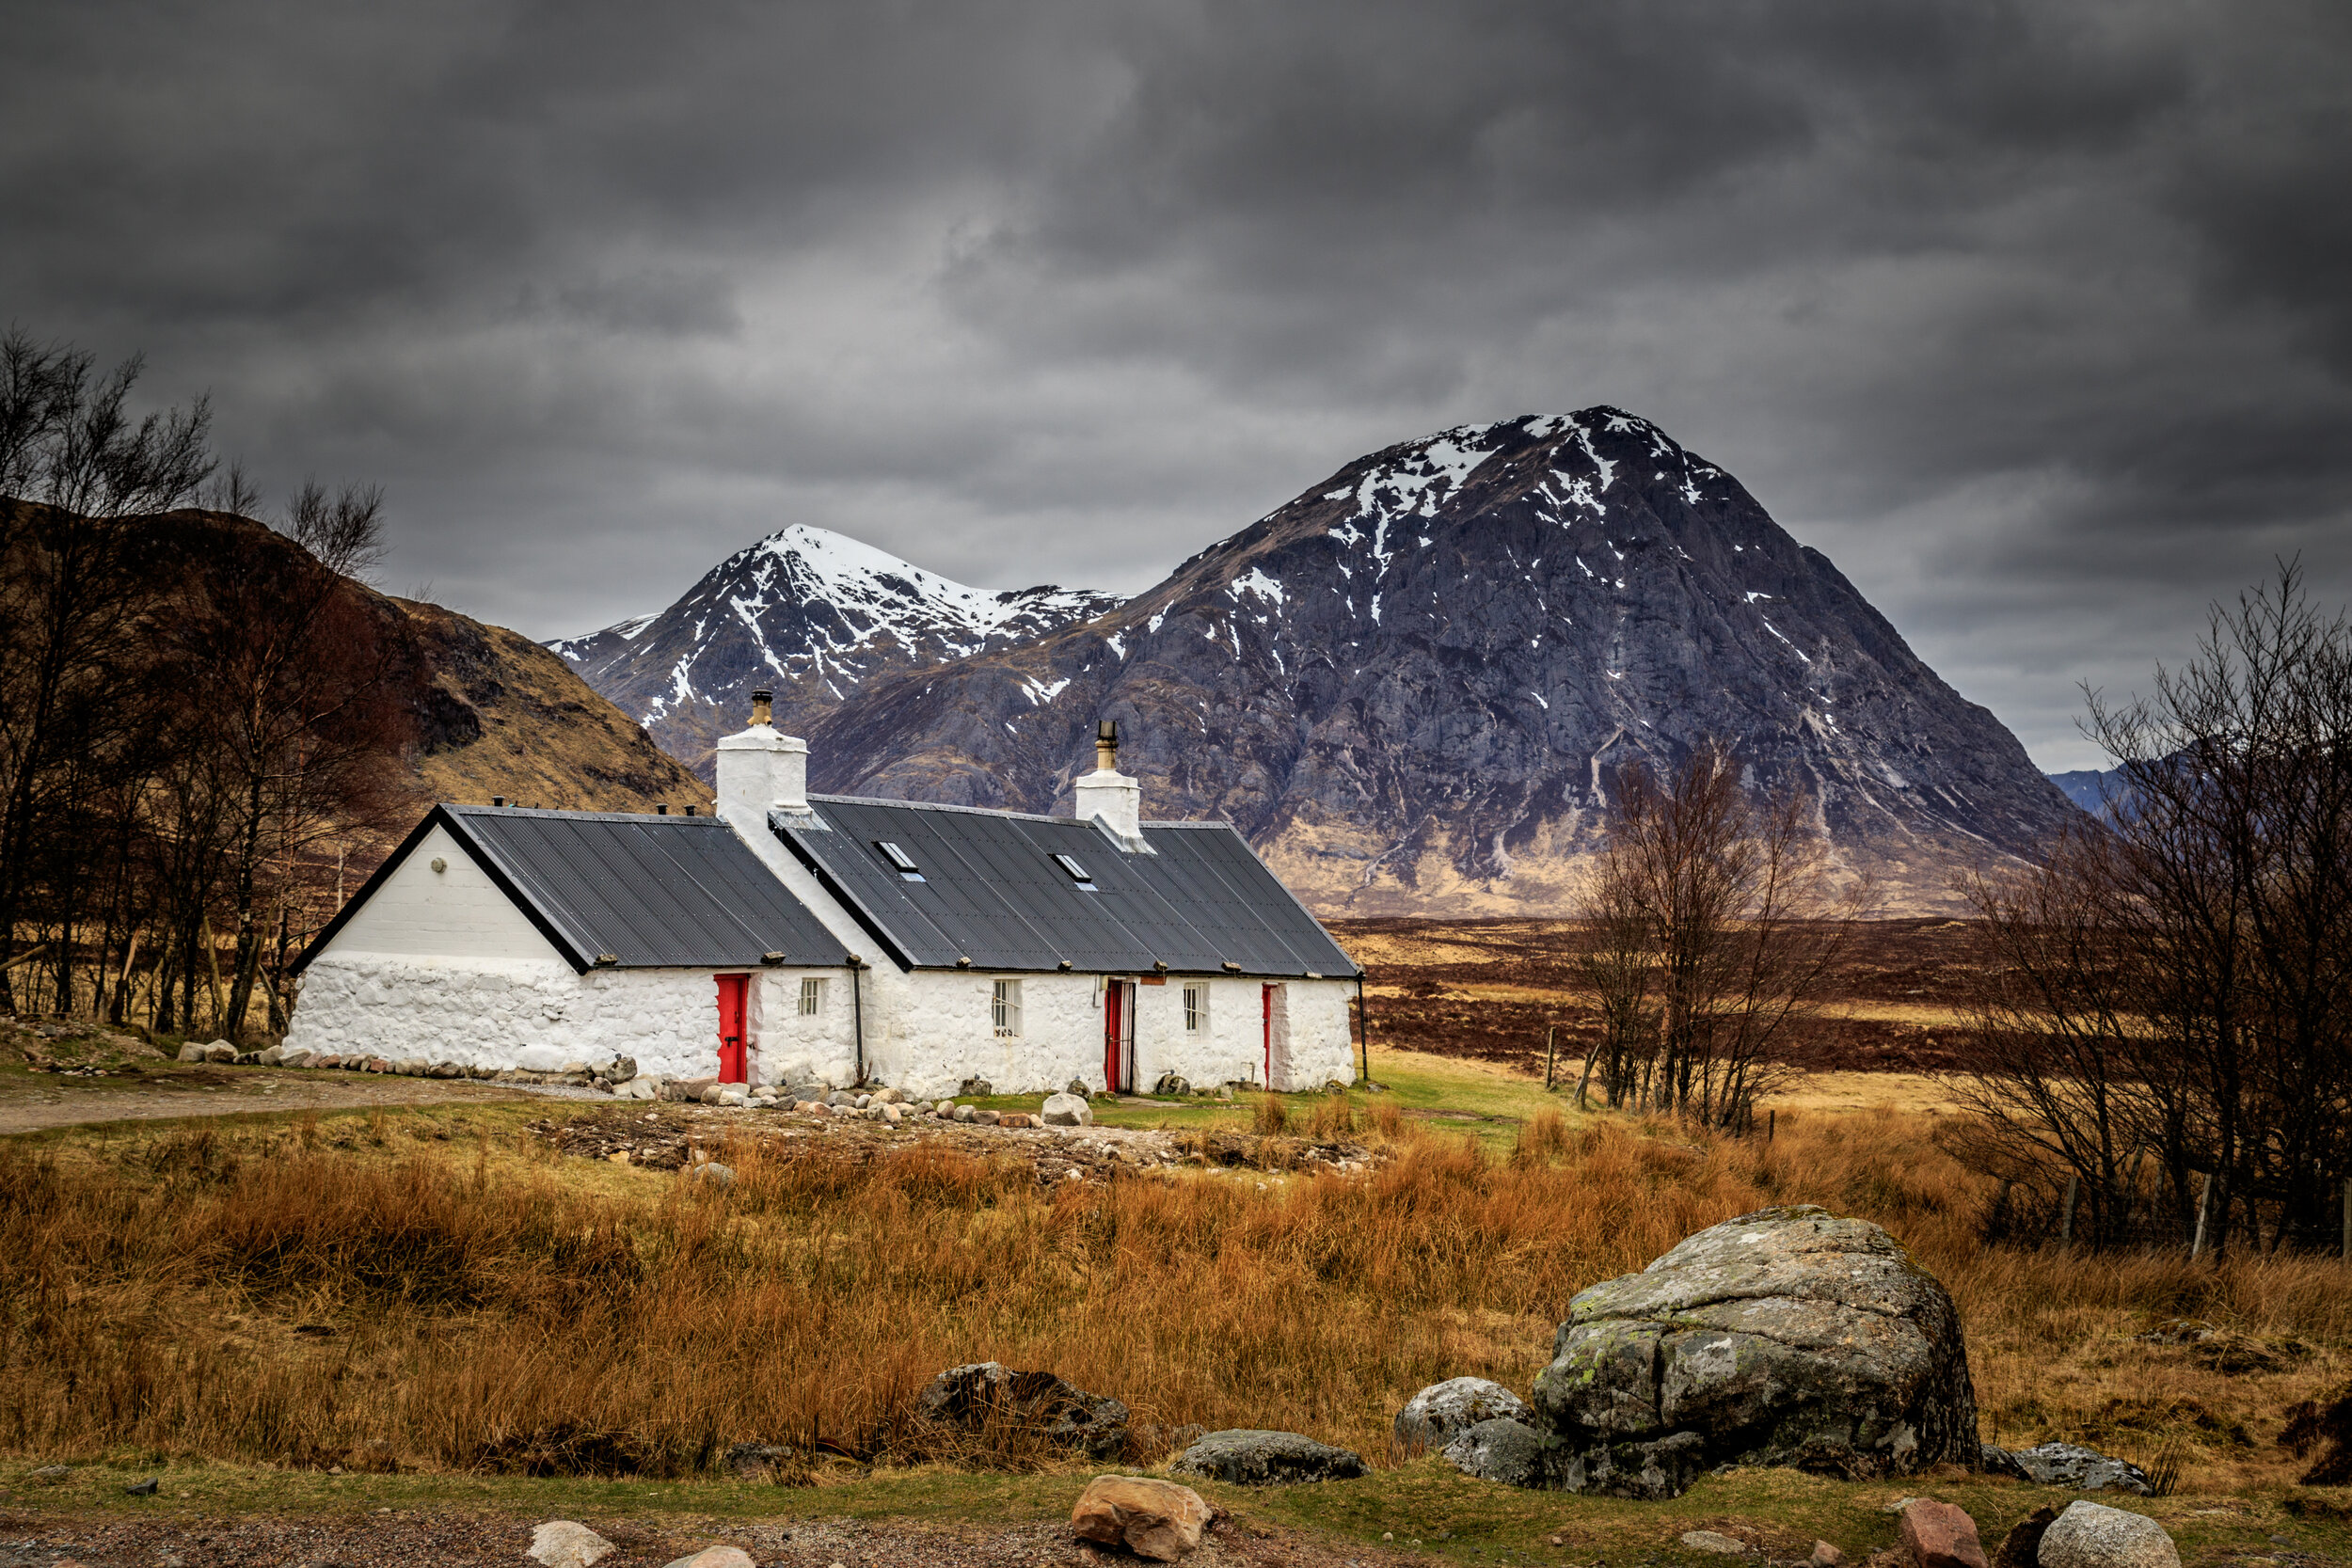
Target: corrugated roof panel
x=992, y=891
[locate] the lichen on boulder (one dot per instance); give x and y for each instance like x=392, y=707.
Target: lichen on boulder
x=1788, y=1337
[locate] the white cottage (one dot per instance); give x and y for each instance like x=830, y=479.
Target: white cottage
x=794, y=938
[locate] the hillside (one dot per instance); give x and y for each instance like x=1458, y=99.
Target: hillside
x=812, y=614
x=1411, y=685
x=492, y=712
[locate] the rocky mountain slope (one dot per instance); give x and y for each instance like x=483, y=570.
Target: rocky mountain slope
x=492, y=713
x=1412, y=686
x=812, y=614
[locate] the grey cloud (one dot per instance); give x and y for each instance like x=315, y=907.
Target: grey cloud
x=2030, y=315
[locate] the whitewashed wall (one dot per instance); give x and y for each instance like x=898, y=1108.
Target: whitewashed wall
x=441, y=965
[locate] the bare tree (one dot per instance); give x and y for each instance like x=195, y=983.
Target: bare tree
x=2175, y=976
x=72, y=592
x=1724, y=908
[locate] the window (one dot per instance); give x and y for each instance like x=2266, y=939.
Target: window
x=1196, y=1009
x=1077, y=872
x=1006, y=1009
x=901, y=861
x=812, y=996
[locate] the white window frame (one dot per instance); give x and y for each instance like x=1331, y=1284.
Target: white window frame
x=1196, y=1008
x=812, y=996
x=1005, y=1009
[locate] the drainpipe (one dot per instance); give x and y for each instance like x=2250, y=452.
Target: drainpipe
x=857, y=1005
x=1363, y=1026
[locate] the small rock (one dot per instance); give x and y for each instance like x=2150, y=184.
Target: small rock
x=49, y=1474
x=1016, y=1119
x=862, y=1101
x=1431, y=1418
x=977, y=1088
x=623, y=1068
x=1826, y=1556
x=2022, y=1546
x=1067, y=1110
x=1249, y=1458
x=299, y=1057
x=413, y=1067
x=1171, y=1084
x=191, y=1052
x=1942, y=1536
x=145, y=1488
x=1713, y=1540
x=894, y=1114
x=713, y=1174
x=889, y=1097
x=715, y=1557
x=2092, y=1535
x=987, y=1119
x=566, y=1544
x=1154, y=1519
x=945, y=1108
x=973, y=1395
x=965, y=1114
x=273, y=1055
x=1502, y=1450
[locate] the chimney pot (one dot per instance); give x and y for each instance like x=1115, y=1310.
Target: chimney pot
x=498, y=799
x=1106, y=745
x=661, y=809
x=763, y=709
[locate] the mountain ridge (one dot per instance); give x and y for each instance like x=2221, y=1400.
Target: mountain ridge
x=1412, y=684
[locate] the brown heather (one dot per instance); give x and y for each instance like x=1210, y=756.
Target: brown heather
x=493, y=1309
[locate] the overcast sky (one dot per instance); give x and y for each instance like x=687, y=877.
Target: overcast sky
x=2035, y=317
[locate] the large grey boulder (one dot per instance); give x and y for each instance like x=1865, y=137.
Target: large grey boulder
x=1431, y=1418
x=566, y=1544
x=1248, y=1458
x=973, y=1396
x=2092, y=1535
x=1508, y=1453
x=1067, y=1110
x=191, y=1051
x=1786, y=1337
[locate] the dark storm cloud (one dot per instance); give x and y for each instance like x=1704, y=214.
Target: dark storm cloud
x=2030, y=315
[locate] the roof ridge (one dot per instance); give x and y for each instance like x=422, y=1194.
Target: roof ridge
x=990, y=810
x=581, y=815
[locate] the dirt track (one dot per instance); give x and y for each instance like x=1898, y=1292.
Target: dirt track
x=435, y=1539
x=32, y=1101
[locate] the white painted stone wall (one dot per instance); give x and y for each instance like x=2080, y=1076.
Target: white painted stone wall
x=441, y=965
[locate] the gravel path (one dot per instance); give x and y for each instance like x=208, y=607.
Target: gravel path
x=456, y=1539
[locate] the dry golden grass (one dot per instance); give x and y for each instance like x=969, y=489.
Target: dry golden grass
x=494, y=1308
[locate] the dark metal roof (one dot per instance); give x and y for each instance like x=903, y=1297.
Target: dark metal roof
x=991, y=891
x=653, y=892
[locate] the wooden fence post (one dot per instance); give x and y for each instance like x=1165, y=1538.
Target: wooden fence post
x=2066, y=1222
x=1548, y=1030
x=2204, y=1207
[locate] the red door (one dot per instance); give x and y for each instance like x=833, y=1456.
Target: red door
x=1265, y=1008
x=1114, y=1031
x=731, y=1027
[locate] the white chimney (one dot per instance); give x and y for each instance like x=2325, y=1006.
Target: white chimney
x=1109, y=796
x=762, y=770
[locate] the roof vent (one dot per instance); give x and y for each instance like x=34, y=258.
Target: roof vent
x=1232, y=968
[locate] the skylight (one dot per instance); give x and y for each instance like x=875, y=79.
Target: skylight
x=900, y=859
x=1077, y=872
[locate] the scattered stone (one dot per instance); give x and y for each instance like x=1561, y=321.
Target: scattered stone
x=946, y=1108
x=413, y=1067
x=1332, y=1085
x=713, y=1174
x=297, y=1057
x=965, y=1114
x=145, y=1488
x=1502, y=1450
x=1067, y=1110
x=326, y=1062
x=1940, y=1535
x=639, y=1089
x=1713, y=1540
x=566, y=1544
x=889, y=1097
x=1431, y=1418
x=715, y=1557
x=2092, y=1535
x=2081, y=1469
x=191, y=1052
x=987, y=1119
x=972, y=1395
x=623, y=1068
x=977, y=1088
x=2022, y=1546
x=1016, y=1119
x=273, y=1055
x=1826, y=1556
x=1171, y=1084
x=764, y=1462
x=49, y=1474
x=1248, y=1458
x=221, y=1052
x=1786, y=1337
x=1154, y=1519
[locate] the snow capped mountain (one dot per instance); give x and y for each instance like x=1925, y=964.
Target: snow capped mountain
x=811, y=613
x=1414, y=686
